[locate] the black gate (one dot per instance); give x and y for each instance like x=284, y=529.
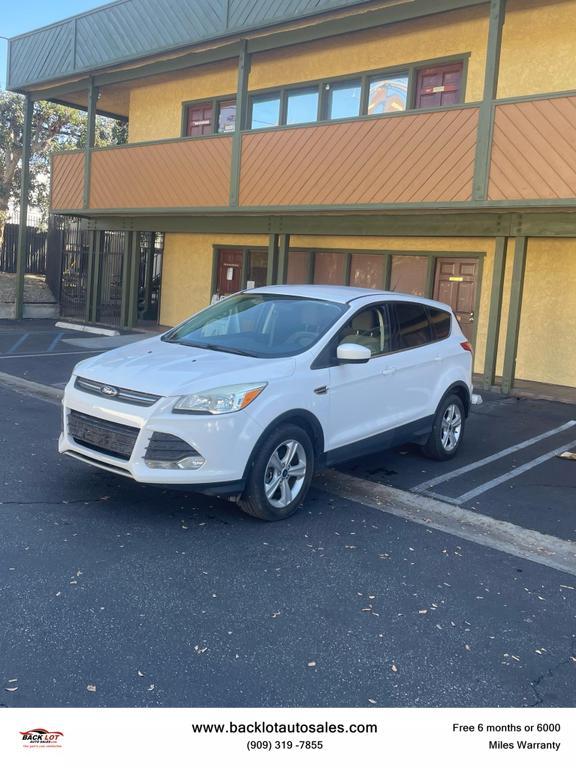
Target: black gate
x=150, y=277
x=111, y=277
x=74, y=275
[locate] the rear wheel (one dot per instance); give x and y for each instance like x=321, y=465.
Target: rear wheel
x=447, y=430
x=280, y=475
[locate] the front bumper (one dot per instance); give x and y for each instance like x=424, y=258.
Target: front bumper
x=225, y=442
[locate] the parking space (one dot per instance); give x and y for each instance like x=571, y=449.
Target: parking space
x=509, y=466
x=165, y=598
x=41, y=352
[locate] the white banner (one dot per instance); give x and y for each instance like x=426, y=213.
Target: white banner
x=284, y=737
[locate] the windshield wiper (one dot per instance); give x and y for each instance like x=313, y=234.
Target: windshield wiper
x=218, y=348
x=213, y=347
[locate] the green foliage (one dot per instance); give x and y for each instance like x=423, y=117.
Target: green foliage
x=54, y=128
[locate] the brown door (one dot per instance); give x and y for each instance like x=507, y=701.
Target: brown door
x=455, y=284
x=439, y=86
x=229, y=272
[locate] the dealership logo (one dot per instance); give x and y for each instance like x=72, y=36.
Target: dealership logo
x=109, y=391
x=40, y=737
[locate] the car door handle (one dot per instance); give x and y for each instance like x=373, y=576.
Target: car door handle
x=388, y=371
x=438, y=359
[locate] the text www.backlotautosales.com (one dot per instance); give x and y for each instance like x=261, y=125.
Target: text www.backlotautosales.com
x=284, y=736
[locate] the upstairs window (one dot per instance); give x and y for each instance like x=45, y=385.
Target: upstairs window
x=227, y=117
x=302, y=106
x=200, y=119
x=344, y=99
x=210, y=117
x=388, y=94
x=439, y=86
x=265, y=111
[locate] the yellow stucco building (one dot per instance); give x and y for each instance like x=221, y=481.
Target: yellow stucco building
x=428, y=147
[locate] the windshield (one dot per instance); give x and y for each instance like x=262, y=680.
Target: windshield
x=259, y=325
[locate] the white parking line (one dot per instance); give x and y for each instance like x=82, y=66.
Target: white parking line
x=513, y=473
x=489, y=459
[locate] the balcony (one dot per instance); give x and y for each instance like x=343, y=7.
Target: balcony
x=169, y=175
x=400, y=161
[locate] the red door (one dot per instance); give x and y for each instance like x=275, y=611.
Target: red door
x=455, y=284
x=229, y=272
x=200, y=120
x=439, y=86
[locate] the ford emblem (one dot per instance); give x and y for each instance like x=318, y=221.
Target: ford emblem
x=109, y=391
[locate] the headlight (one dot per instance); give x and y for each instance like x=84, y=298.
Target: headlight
x=222, y=400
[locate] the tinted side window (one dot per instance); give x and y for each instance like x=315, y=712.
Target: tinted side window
x=440, y=322
x=412, y=328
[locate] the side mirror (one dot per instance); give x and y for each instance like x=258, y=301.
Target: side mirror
x=353, y=353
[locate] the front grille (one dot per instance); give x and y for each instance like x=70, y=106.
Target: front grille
x=104, y=436
x=116, y=393
x=164, y=447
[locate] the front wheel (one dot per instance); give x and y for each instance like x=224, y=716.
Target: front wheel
x=447, y=430
x=280, y=475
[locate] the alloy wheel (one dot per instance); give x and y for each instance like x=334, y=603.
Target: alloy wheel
x=451, y=427
x=285, y=473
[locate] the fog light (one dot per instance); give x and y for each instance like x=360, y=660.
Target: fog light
x=189, y=462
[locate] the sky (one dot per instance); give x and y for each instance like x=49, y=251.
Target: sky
x=21, y=16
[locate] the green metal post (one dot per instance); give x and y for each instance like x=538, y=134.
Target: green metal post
x=485, y=117
x=430, y=276
x=24, y=194
x=387, y=271
x=283, y=249
x=90, y=275
x=134, y=274
x=95, y=286
x=90, y=140
x=514, y=312
x=272, y=272
x=495, y=313
x=126, y=258
x=241, y=112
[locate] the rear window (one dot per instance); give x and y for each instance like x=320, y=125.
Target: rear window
x=412, y=327
x=441, y=322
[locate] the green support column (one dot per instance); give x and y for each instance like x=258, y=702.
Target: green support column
x=495, y=314
x=514, y=312
x=90, y=275
x=283, y=248
x=485, y=118
x=387, y=271
x=94, y=278
x=90, y=139
x=134, y=274
x=24, y=194
x=430, y=276
x=126, y=259
x=272, y=273
x=241, y=113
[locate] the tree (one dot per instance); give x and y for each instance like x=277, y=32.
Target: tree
x=54, y=127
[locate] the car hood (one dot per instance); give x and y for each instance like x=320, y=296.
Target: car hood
x=167, y=369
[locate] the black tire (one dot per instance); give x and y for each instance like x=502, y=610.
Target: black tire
x=439, y=446
x=265, y=472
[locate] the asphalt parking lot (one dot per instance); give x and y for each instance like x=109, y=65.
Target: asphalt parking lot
x=163, y=598
x=157, y=597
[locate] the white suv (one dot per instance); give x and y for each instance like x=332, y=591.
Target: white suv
x=251, y=395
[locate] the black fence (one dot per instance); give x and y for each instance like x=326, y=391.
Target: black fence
x=36, y=246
